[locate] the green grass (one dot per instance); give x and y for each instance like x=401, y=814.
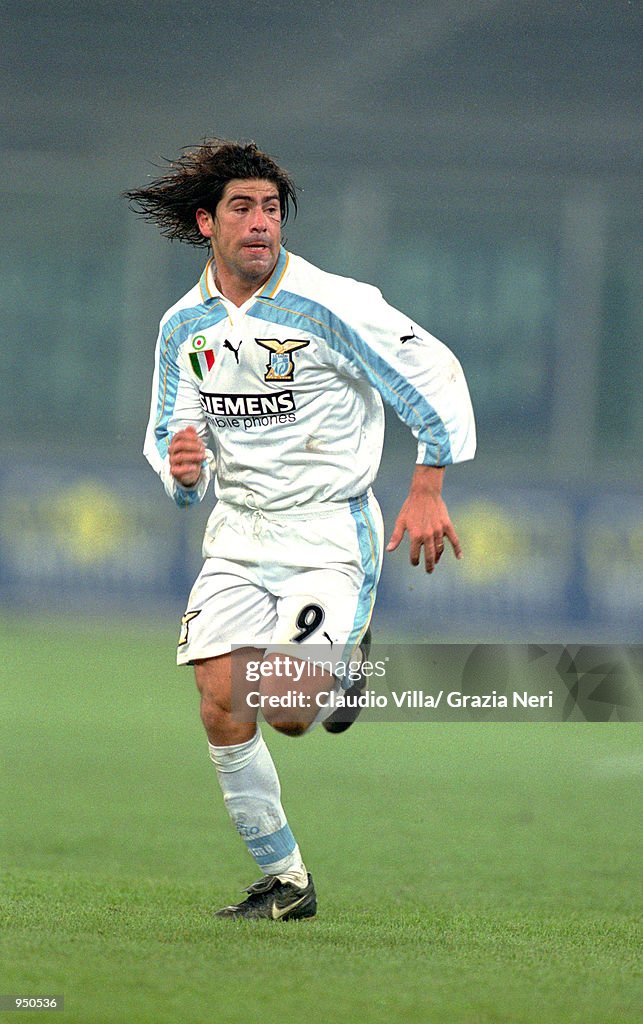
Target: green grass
x=467, y=873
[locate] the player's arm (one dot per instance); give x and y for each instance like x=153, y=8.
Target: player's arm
x=423, y=381
x=437, y=407
x=177, y=429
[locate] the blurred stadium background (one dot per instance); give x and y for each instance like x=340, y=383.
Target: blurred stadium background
x=480, y=163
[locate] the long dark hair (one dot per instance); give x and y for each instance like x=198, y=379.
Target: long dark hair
x=198, y=178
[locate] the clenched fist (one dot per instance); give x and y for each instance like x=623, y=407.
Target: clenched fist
x=187, y=452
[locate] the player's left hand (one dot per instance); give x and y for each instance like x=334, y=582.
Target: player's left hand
x=426, y=518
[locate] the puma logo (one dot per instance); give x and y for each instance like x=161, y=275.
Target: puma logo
x=409, y=337
x=235, y=351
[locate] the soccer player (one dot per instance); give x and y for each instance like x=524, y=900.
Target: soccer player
x=269, y=377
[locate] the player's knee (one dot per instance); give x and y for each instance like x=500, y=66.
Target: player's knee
x=213, y=715
x=283, y=722
x=212, y=680
x=290, y=728
x=280, y=713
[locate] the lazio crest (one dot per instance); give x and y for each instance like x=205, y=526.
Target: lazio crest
x=280, y=365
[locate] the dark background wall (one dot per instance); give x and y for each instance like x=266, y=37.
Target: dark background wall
x=479, y=162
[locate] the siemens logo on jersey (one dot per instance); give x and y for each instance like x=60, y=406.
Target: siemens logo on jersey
x=248, y=411
x=248, y=405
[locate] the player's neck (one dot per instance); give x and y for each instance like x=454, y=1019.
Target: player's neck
x=235, y=288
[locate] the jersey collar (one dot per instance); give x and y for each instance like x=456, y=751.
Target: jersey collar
x=271, y=287
x=207, y=286
x=269, y=290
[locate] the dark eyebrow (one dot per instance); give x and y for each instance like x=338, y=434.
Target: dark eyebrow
x=240, y=195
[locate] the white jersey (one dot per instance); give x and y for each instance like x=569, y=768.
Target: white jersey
x=286, y=390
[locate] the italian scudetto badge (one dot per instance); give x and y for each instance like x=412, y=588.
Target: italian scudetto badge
x=202, y=359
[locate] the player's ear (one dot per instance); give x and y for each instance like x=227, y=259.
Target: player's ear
x=205, y=222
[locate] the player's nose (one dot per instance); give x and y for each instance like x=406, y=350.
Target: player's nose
x=259, y=220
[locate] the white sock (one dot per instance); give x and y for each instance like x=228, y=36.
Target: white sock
x=252, y=795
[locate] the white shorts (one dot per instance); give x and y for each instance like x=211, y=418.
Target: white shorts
x=306, y=576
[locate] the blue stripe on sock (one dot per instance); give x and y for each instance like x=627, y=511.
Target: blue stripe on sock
x=269, y=849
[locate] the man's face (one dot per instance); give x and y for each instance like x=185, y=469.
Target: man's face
x=246, y=229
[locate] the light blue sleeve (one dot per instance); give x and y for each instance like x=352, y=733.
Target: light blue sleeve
x=175, y=405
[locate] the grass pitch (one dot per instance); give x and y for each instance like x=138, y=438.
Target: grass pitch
x=466, y=873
